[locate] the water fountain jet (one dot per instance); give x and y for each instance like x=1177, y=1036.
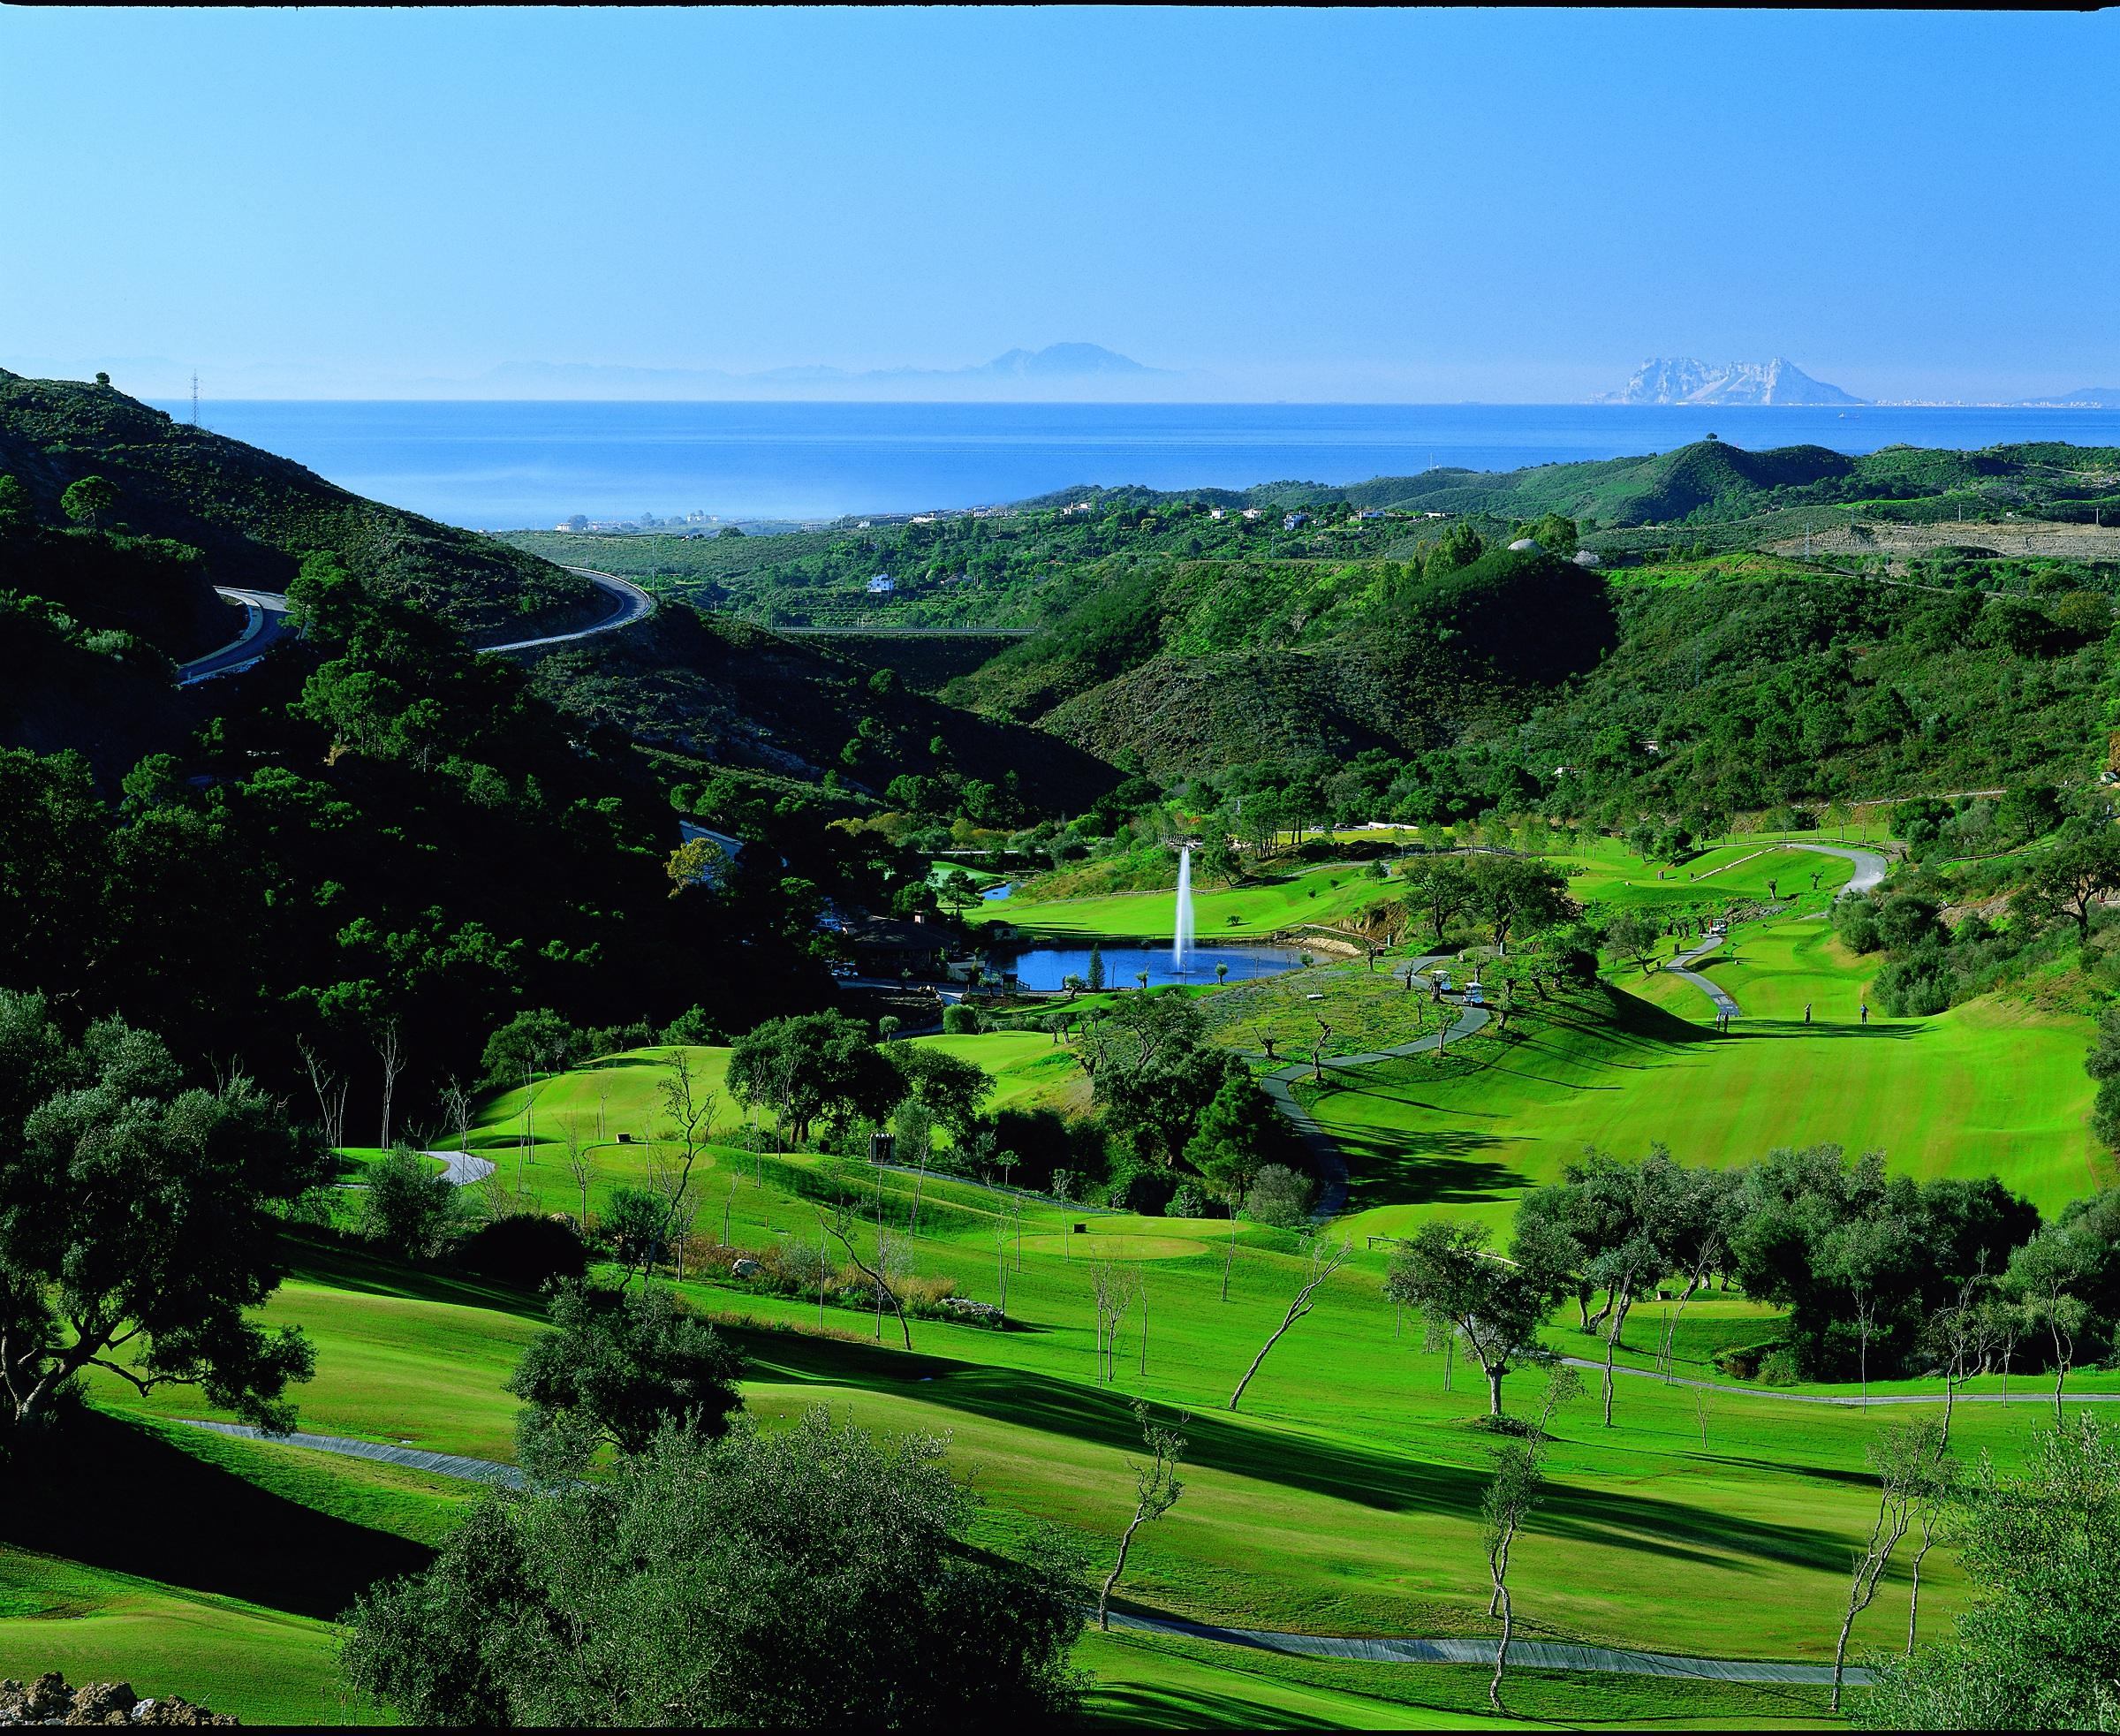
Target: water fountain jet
x=1181, y=946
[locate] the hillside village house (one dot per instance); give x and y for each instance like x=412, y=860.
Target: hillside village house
x=885, y=946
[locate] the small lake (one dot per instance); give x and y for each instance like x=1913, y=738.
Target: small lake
x=1046, y=966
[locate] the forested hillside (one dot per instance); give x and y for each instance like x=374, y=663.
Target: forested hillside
x=252, y=515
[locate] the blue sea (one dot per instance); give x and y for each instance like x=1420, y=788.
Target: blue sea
x=508, y=466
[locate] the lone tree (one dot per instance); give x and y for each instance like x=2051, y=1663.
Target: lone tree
x=616, y=1367
x=139, y=1222
x=677, y=1591
x=1156, y=1488
x=1907, y=1459
x=1519, y=1485
x=1447, y=1275
x=409, y=1207
x=1323, y=1264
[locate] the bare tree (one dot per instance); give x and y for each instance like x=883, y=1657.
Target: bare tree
x=1904, y=1457
x=690, y=1108
x=390, y=1051
x=1112, y=1289
x=1865, y=1324
x=1629, y=1264
x=603, y=1098
x=1156, y=1488
x=1519, y=1481
x=457, y=1110
x=579, y=1167
x=1323, y=1264
x=844, y=1224
x=2063, y=1315
x=1704, y=1408
x=680, y=1210
x=330, y=1090
x=1934, y=1497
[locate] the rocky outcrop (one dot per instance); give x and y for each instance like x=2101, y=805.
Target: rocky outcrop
x=49, y=1700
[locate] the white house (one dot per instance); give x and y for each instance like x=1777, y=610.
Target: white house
x=883, y=584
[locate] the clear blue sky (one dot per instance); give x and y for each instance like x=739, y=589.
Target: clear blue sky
x=1389, y=205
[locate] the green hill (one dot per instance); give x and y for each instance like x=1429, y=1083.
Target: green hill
x=252, y=515
x=1199, y=666
x=734, y=695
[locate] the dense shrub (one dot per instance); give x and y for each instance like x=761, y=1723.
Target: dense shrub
x=1917, y=985
x=410, y=1207
x=1280, y=1197
x=682, y=1591
x=960, y=1020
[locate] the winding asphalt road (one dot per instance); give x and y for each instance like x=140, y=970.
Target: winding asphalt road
x=632, y=604
x=1869, y=871
x=267, y=624
x=1869, y=866
x=1331, y=1166
x=264, y=625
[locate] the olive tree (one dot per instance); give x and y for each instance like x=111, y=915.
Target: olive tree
x=139, y=1222
x=815, y=1577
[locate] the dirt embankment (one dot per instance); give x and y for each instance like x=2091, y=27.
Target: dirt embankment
x=2015, y=538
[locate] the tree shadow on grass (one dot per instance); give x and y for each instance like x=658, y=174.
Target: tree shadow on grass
x=1780, y=1030
x=1386, y=1482
x=367, y=1274
x=1190, y=1708
x=112, y=1495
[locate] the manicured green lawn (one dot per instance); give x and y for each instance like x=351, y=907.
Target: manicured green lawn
x=1343, y=1497
x=1604, y=872
x=1991, y=1087
x=265, y=1666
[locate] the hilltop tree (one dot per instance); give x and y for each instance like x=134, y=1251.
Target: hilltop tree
x=1219, y=862
x=698, y=861
x=1511, y=894
x=2073, y=880
x=948, y=1088
x=1459, y=546
x=958, y=891
x=139, y=1222
x=1440, y=888
x=1634, y=935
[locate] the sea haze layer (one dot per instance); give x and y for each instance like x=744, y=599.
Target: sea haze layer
x=508, y=466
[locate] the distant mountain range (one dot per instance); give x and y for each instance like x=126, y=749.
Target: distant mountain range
x=1062, y=367
x=1683, y=380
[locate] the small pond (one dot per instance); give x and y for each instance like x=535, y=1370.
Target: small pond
x=1046, y=966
